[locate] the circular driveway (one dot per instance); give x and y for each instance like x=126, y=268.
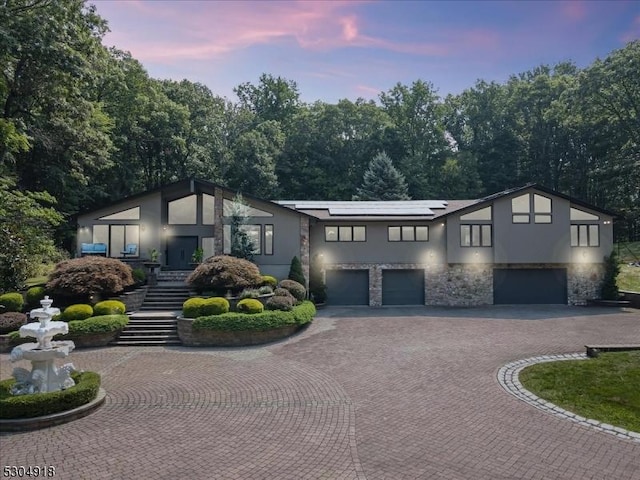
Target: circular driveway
x=402, y=393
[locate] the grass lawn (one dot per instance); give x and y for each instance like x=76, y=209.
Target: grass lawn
x=603, y=388
x=629, y=277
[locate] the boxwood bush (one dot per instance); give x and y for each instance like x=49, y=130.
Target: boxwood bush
x=296, y=289
x=98, y=324
x=250, y=305
x=11, y=321
x=79, y=311
x=34, y=295
x=267, y=320
x=191, y=308
x=109, y=307
x=269, y=280
x=214, y=306
x=28, y=406
x=11, y=302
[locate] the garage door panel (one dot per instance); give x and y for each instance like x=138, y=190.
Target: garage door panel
x=529, y=286
x=347, y=287
x=403, y=287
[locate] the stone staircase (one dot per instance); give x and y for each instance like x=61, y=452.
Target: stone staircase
x=155, y=323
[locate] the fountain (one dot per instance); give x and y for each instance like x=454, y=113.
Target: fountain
x=44, y=375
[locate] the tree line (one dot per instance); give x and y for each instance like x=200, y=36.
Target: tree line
x=88, y=125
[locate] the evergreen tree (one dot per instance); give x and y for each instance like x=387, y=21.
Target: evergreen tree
x=241, y=245
x=295, y=272
x=382, y=181
x=317, y=287
x=609, y=288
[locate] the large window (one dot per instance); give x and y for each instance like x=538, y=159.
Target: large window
x=475, y=235
x=525, y=206
x=254, y=232
x=183, y=211
x=208, y=209
x=117, y=237
x=408, y=233
x=344, y=233
x=585, y=235
x=130, y=214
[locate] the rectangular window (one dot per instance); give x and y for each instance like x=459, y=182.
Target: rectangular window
x=408, y=233
x=253, y=232
x=208, y=209
x=182, y=211
x=268, y=239
x=345, y=234
x=475, y=235
x=208, y=247
x=117, y=237
x=585, y=235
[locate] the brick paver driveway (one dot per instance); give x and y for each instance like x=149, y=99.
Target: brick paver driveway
x=361, y=394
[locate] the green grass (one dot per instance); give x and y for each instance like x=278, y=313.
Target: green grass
x=603, y=388
x=628, y=251
x=629, y=278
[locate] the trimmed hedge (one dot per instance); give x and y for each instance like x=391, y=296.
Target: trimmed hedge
x=109, y=307
x=34, y=295
x=250, y=305
x=39, y=404
x=191, y=308
x=214, y=306
x=11, y=302
x=99, y=324
x=79, y=311
x=267, y=320
x=11, y=321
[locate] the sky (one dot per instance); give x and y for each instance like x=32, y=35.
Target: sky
x=356, y=49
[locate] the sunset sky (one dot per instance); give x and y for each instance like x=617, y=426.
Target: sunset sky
x=350, y=49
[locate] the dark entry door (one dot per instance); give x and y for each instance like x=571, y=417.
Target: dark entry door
x=530, y=285
x=179, y=251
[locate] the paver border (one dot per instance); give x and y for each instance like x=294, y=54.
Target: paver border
x=508, y=377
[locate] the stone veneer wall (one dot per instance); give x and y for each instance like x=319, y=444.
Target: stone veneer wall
x=466, y=285
x=304, y=247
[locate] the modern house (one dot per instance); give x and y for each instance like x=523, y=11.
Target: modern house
x=520, y=246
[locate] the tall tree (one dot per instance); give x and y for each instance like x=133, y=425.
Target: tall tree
x=274, y=98
x=382, y=181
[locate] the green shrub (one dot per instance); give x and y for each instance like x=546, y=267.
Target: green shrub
x=222, y=273
x=250, y=305
x=267, y=320
x=79, y=311
x=109, y=307
x=100, y=324
x=88, y=276
x=609, y=287
x=28, y=406
x=34, y=295
x=214, y=306
x=249, y=293
x=317, y=287
x=282, y=292
x=280, y=302
x=11, y=321
x=295, y=271
x=139, y=276
x=269, y=280
x=192, y=308
x=296, y=289
x=11, y=302
x=265, y=290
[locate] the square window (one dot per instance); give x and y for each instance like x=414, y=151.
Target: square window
x=345, y=234
x=422, y=234
x=408, y=234
x=359, y=234
x=394, y=234
x=520, y=204
x=331, y=234
x=541, y=205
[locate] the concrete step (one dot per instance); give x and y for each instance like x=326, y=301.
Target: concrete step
x=146, y=343
x=144, y=333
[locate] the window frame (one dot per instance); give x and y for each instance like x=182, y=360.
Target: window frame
x=587, y=229
x=344, y=228
x=520, y=217
x=479, y=235
x=402, y=236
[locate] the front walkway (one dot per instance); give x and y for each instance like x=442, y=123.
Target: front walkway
x=401, y=393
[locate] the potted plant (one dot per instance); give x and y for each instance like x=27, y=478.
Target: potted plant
x=197, y=256
x=153, y=266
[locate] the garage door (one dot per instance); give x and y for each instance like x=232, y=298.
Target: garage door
x=522, y=286
x=403, y=287
x=348, y=287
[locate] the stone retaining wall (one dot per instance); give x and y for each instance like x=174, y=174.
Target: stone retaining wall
x=133, y=300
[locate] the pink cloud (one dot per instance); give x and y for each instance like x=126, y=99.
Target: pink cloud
x=633, y=33
x=574, y=10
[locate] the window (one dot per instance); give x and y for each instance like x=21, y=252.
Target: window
x=521, y=208
x=116, y=237
x=208, y=247
x=585, y=235
x=254, y=232
x=228, y=207
x=182, y=211
x=482, y=214
x=579, y=215
x=475, y=235
x=130, y=214
x=408, y=233
x=345, y=233
x=268, y=239
x=208, y=209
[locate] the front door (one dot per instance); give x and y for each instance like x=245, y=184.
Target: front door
x=179, y=251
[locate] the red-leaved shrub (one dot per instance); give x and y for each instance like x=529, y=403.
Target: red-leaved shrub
x=90, y=276
x=222, y=273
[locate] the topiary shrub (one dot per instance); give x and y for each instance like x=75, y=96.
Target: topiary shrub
x=79, y=311
x=109, y=307
x=222, y=273
x=89, y=276
x=280, y=302
x=295, y=272
x=11, y=321
x=269, y=280
x=249, y=305
x=249, y=293
x=214, y=306
x=192, y=308
x=11, y=302
x=34, y=295
x=296, y=289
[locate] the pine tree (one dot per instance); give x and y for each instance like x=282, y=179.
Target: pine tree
x=609, y=288
x=382, y=181
x=295, y=271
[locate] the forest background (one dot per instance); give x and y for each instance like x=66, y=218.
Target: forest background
x=82, y=125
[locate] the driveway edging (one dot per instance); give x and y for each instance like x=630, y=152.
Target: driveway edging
x=508, y=377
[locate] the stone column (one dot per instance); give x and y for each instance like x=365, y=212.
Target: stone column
x=304, y=247
x=375, y=286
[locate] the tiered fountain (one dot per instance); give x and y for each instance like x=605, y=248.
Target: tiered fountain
x=44, y=375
